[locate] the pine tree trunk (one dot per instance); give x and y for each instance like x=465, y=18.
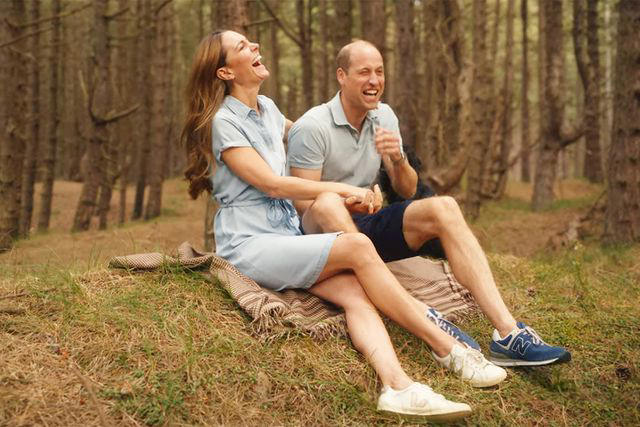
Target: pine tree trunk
x=49, y=159
x=144, y=143
x=405, y=67
x=13, y=71
x=525, y=152
x=124, y=66
x=326, y=70
x=481, y=91
x=374, y=23
x=30, y=159
x=100, y=100
x=593, y=157
x=500, y=167
x=556, y=134
x=275, y=59
x=159, y=117
x=622, y=220
x=304, y=31
x=343, y=24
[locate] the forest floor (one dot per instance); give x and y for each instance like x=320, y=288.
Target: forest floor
x=82, y=345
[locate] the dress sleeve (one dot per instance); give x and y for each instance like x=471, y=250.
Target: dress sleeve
x=225, y=134
x=307, y=145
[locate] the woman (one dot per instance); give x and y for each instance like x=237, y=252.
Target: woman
x=257, y=228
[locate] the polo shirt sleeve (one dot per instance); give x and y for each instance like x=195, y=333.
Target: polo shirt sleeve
x=225, y=134
x=307, y=145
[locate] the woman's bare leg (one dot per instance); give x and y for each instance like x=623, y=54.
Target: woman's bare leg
x=354, y=251
x=368, y=334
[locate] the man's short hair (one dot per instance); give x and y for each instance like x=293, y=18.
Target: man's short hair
x=343, y=59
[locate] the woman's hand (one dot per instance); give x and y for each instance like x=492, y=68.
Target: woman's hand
x=364, y=201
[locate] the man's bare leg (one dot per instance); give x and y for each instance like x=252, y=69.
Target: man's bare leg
x=441, y=217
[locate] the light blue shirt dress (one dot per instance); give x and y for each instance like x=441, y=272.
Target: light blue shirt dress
x=258, y=234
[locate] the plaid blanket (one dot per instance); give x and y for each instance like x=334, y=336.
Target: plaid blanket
x=278, y=313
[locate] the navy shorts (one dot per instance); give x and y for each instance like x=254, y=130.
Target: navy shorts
x=384, y=228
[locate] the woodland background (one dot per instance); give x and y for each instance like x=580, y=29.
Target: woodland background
x=485, y=91
x=528, y=112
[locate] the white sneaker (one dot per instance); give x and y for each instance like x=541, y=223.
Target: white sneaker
x=471, y=366
x=420, y=399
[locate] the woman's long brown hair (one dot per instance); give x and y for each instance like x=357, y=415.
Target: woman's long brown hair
x=205, y=92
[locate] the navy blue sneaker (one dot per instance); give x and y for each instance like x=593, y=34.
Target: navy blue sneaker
x=436, y=317
x=524, y=347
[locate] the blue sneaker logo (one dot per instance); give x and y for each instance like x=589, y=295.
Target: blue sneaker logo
x=520, y=345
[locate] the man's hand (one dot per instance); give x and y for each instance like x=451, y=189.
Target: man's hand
x=388, y=144
x=354, y=204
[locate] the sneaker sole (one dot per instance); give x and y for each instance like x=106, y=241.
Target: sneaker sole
x=491, y=383
x=433, y=416
x=501, y=361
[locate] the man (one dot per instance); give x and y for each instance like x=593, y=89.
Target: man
x=346, y=140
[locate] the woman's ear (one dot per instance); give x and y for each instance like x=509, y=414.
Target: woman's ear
x=224, y=73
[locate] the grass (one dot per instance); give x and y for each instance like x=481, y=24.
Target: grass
x=95, y=347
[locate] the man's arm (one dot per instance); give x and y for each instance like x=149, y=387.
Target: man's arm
x=404, y=178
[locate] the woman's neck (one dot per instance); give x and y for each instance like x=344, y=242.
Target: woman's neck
x=248, y=96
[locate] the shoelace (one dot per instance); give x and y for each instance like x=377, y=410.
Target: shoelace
x=472, y=357
x=445, y=326
x=535, y=338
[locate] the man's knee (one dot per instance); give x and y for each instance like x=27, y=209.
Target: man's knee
x=438, y=212
x=326, y=204
x=328, y=214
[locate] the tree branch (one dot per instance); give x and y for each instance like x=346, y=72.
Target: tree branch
x=114, y=116
x=161, y=6
x=25, y=36
x=118, y=13
x=260, y=22
x=295, y=38
x=51, y=18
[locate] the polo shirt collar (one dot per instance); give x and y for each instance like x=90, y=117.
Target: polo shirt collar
x=238, y=107
x=340, y=119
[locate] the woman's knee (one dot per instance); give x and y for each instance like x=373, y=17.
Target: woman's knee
x=359, y=249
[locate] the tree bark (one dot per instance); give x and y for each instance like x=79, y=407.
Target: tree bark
x=622, y=218
x=30, y=158
x=403, y=101
x=49, y=159
x=303, y=10
x=144, y=144
x=374, y=24
x=13, y=71
x=556, y=133
x=343, y=24
x=326, y=66
x=481, y=97
x=99, y=104
x=501, y=138
x=525, y=138
x=593, y=156
x=448, y=79
x=159, y=117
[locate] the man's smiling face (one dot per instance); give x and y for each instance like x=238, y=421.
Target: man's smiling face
x=362, y=84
